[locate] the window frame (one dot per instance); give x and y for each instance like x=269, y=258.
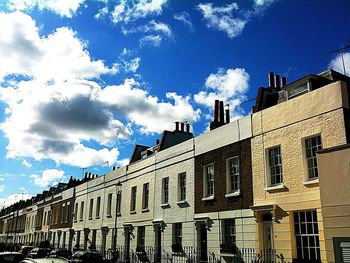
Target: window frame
x=312, y=158
x=145, y=196
x=141, y=236
x=278, y=164
x=98, y=207
x=133, y=193
x=91, y=208
x=165, y=190
x=208, y=195
x=229, y=190
x=109, y=204
x=177, y=234
x=228, y=232
x=81, y=218
x=182, y=180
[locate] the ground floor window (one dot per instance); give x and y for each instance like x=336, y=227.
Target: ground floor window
x=228, y=236
x=306, y=236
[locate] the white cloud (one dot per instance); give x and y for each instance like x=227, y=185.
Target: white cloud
x=152, y=40
x=23, y=51
x=263, y=2
x=185, y=18
x=13, y=198
x=51, y=116
x=101, y=13
x=49, y=177
x=60, y=7
x=229, y=86
x=151, y=27
x=337, y=63
x=26, y=164
x=222, y=18
x=128, y=11
x=132, y=65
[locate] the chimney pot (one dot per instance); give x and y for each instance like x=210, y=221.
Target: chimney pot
x=271, y=80
x=113, y=168
x=216, y=111
x=187, y=127
x=182, y=126
x=157, y=141
x=277, y=82
x=176, y=126
x=227, y=111
x=284, y=81
x=222, y=120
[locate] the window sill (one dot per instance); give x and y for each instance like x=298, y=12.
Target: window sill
x=183, y=202
x=132, y=212
x=119, y=214
x=312, y=182
x=275, y=188
x=109, y=216
x=90, y=218
x=165, y=205
x=145, y=210
x=208, y=198
x=236, y=193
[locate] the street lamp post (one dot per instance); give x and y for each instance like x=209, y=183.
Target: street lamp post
x=118, y=187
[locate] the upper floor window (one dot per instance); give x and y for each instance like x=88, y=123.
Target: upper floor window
x=312, y=145
x=165, y=190
x=91, y=208
x=233, y=175
x=98, y=207
x=182, y=187
x=133, y=199
x=82, y=211
x=76, y=212
x=208, y=180
x=119, y=202
x=109, y=204
x=145, y=196
x=275, y=166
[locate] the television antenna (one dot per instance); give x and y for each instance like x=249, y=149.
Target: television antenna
x=341, y=51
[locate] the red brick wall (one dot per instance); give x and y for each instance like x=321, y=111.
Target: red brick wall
x=218, y=157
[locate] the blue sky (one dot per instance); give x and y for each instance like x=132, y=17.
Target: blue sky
x=82, y=81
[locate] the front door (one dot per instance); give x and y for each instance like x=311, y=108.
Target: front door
x=127, y=243
x=268, y=254
x=158, y=243
x=203, y=243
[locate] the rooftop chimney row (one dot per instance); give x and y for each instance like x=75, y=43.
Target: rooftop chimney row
x=221, y=117
x=276, y=81
x=180, y=126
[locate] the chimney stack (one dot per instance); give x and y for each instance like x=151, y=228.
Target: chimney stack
x=89, y=175
x=227, y=113
x=271, y=80
x=86, y=174
x=176, y=126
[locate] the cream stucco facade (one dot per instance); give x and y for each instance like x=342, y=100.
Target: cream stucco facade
x=287, y=125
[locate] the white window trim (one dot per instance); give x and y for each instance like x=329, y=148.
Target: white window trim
x=179, y=200
x=308, y=181
x=229, y=192
x=164, y=204
x=205, y=183
x=268, y=186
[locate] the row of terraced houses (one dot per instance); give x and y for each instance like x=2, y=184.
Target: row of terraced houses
x=276, y=179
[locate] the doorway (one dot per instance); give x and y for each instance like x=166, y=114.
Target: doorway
x=203, y=238
x=158, y=243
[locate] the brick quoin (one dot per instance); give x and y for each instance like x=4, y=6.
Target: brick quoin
x=218, y=157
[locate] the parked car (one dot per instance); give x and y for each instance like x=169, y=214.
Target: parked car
x=25, y=250
x=11, y=257
x=39, y=252
x=44, y=260
x=64, y=253
x=86, y=257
